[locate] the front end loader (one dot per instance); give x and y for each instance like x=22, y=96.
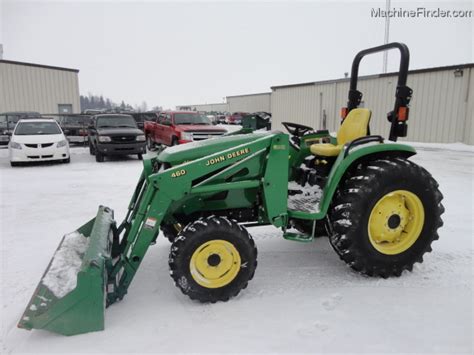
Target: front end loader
x=380, y=211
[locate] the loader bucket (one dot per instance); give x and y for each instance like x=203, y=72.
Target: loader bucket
x=70, y=298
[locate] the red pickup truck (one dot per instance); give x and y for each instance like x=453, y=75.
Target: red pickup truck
x=178, y=127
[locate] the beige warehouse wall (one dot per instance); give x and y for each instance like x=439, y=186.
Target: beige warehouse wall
x=468, y=122
x=250, y=103
x=441, y=107
x=30, y=88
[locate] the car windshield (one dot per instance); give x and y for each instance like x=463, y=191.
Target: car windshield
x=37, y=128
x=190, y=118
x=76, y=120
x=116, y=122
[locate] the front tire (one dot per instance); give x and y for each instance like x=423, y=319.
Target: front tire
x=385, y=216
x=99, y=157
x=212, y=259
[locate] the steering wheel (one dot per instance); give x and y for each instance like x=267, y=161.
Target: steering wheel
x=296, y=129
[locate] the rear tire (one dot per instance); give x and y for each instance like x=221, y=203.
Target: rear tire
x=385, y=216
x=99, y=157
x=140, y=157
x=174, y=141
x=212, y=259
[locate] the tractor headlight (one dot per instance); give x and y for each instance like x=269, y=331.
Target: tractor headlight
x=104, y=139
x=15, y=145
x=141, y=138
x=186, y=136
x=61, y=143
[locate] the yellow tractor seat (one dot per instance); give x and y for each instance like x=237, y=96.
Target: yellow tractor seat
x=354, y=126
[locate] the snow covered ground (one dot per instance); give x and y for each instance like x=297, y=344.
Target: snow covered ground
x=302, y=299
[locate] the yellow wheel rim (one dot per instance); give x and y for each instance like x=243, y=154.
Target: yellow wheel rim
x=215, y=263
x=395, y=222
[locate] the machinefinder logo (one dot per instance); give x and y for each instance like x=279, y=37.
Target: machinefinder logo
x=420, y=12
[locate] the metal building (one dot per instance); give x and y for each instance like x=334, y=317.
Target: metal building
x=250, y=103
x=222, y=107
x=236, y=103
x=441, y=109
x=41, y=88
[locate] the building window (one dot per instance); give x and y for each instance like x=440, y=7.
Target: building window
x=65, y=108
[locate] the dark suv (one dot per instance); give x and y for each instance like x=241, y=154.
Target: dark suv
x=115, y=134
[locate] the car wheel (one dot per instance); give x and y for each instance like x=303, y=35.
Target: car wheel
x=140, y=157
x=174, y=141
x=99, y=157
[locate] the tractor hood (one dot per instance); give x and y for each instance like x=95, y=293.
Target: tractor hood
x=191, y=151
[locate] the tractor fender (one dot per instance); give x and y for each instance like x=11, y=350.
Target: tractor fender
x=344, y=162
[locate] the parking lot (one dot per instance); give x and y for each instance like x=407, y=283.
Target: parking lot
x=302, y=299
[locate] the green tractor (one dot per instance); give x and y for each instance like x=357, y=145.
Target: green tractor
x=380, y=211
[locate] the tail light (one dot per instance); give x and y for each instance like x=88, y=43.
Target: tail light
x=402, y=114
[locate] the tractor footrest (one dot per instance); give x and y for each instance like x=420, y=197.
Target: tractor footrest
x=298, y=237
x=304, y=199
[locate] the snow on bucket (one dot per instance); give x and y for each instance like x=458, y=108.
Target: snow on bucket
x=61, y=277
x=70, y=298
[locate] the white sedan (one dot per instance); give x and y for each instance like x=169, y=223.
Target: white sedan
x=38, y=140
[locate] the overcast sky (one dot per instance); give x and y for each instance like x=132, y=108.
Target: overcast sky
x=171, y=53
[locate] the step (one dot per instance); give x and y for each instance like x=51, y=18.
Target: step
x=298, y=237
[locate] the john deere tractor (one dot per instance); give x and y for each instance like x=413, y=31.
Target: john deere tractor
x=380, y=211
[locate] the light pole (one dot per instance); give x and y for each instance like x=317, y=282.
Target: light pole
x=387, y=32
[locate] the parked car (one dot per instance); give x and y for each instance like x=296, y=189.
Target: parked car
x=221, y=117
x=235, y=118
x=115, y=134
x=212, y=119
x=75, y=127
x=141, y=117
x=178, y=127
x=38, y=140
x=91, y=111
x=8, y=120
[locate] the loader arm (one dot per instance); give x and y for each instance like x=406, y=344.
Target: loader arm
x=157, y=190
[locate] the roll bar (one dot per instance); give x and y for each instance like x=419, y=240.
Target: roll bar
x=399, y=115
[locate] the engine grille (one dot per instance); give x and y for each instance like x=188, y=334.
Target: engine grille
x=201, y=135
x=42, y=145
x=123, y=139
